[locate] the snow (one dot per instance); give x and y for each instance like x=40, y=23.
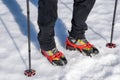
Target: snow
x=14, y=47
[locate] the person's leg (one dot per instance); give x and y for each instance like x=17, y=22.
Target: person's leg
x=81, y=10
x=76, y=39
x=47, y=15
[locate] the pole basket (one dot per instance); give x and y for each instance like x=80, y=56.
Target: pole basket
x=30, y=72
x=110, y=45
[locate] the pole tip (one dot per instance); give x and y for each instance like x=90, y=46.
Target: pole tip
x=110, y=45
x=30, y=72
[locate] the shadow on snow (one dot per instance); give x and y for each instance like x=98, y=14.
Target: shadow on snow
x=61, y=32
x=34, y=2
x=21, y=20
x=10, y=35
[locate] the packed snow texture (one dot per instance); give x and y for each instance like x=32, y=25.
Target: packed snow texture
x=14, y=43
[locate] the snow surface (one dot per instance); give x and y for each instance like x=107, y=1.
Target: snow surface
x=13, y=43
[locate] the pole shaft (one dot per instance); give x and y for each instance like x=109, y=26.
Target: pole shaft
x=28, y=24
x=113, y=22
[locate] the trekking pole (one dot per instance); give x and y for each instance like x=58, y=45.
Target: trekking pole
x=112, y=45
x=29, y=72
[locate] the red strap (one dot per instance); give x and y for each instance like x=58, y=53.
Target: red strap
x=81, y=47
x=51, y=58
x=87, y=45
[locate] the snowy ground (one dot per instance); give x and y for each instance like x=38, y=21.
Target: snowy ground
x=13, y=43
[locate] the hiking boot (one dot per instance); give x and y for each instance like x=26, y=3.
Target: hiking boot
x=55, y=57
x=82, y=45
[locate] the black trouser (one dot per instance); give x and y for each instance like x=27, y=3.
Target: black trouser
x=47, y=15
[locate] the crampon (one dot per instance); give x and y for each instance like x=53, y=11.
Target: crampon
x=81, y=45
x=55, y=57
